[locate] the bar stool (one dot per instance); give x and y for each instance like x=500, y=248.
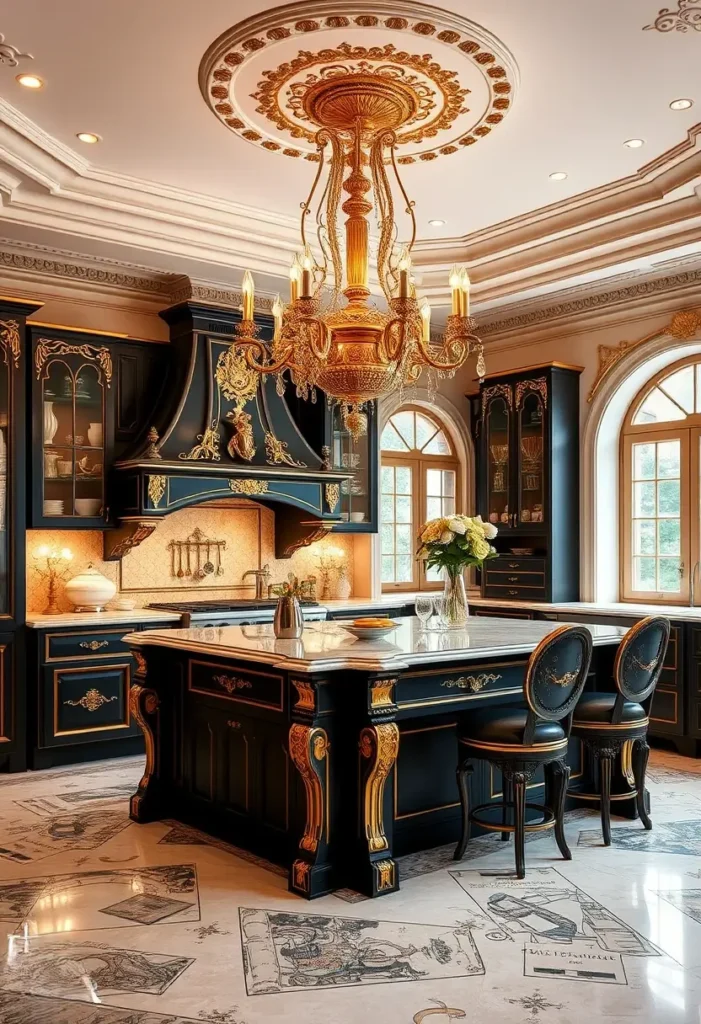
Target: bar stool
x=520, y=740
x=607, y=721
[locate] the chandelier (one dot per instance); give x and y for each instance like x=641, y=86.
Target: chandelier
x=354, y=351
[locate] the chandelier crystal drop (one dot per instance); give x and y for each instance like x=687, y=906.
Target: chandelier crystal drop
x=352, y=350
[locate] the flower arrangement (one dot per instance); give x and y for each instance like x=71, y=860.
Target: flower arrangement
x=452, y=543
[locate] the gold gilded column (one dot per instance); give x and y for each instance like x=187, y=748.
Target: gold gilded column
x=309, y=748
x=379, y=744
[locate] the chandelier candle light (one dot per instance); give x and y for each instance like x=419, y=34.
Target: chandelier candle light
x=354, y=351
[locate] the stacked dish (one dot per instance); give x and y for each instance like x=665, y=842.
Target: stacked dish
x=53, y=507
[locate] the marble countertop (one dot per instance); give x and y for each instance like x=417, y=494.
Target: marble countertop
x=682, y=613
x=110, y=617
x=327, y=646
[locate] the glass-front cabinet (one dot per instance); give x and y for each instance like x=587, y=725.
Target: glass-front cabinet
x=71, y=429
x=498, y=427
x=531, y=426
x=357, y=507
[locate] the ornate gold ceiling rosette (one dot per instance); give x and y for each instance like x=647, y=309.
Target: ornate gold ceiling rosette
x=256, y=75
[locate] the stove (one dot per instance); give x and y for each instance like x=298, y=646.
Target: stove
x=240, y=611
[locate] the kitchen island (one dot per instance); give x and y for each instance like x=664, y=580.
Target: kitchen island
x=329, y=755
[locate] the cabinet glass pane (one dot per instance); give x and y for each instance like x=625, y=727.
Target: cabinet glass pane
x=498, y=469
x=352, y=454
x=5, y=456
x=530, y=455
x=73, y=439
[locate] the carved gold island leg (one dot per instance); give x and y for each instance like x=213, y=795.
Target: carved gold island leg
x=379, y=746
x=143, y=708
x=309, y=752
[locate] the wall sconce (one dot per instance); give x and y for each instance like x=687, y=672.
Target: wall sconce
x=57, y=566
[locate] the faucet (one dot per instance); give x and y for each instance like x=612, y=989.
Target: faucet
x=262, y=576
x=692, y=585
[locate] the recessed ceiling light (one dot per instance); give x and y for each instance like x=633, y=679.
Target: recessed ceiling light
x=634, y=143
x=558, y=176
x=30, y=81
x=437, y=223
x=88, y=137
x=681, y=104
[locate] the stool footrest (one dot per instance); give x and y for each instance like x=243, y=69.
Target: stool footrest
x=631, y=795
x=538, y=826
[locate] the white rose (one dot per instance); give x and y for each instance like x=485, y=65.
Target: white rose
x=446, y=536
x=490, y=531
x=456, y=524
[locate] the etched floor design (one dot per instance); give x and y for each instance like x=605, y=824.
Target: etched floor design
x=107, y=922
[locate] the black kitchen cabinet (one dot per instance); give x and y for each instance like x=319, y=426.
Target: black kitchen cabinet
x=527, y=436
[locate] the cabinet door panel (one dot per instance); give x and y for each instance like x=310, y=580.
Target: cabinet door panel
x=8, y=710
x=87, y=704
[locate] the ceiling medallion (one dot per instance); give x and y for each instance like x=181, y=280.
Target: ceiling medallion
x=354, y=352
x=256, y=75
x=687, y=15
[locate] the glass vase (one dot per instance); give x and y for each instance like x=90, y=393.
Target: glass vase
x=455, y=609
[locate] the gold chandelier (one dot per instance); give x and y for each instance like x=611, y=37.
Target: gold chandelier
x=355, y=352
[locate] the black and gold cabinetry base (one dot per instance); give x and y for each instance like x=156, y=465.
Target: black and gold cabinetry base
x=335, y=776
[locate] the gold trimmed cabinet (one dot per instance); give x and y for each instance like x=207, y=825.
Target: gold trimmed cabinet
x=525, y=425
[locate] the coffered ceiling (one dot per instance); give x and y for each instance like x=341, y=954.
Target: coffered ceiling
x=204, y=154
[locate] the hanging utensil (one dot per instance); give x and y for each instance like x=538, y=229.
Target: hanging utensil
x=198, y=572
x=220, y=570
x=180, y=561
x=208, y=566
x=188, y=571
x=172, y=558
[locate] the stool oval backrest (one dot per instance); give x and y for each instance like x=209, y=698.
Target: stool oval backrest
x=640, y=658
x=557, y=671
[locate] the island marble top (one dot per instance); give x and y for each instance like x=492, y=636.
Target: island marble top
x=327, y=646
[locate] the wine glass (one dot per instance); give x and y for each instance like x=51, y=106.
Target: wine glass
x=423, y=607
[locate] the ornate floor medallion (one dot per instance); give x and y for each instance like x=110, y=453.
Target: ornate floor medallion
x=259, y=77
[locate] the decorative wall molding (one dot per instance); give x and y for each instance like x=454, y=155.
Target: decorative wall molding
x=681, y=327
x=10, y=55
x=687, y=15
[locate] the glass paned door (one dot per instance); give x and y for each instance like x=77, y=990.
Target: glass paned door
x=498, y=467
x=6, y=454
x=657, y=543
x=397, y=523
x=530, y=459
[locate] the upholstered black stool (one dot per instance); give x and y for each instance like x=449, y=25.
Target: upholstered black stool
x=520, y=740
x=605, y=722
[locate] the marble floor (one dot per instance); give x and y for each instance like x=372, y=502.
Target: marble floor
x=108, y=922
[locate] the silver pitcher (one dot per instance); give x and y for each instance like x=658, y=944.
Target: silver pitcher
x=288, y=623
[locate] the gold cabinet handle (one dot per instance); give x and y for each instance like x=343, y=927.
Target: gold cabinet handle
x=93, y=645
x=233, y=724
x=91, y=701
x=513, y=579
x=472, y=683
x=513, y=565
x=514, y=593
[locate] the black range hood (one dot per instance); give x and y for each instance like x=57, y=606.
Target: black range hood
x=206, y=443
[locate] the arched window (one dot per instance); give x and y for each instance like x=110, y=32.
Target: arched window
x=419, y=480
x=661, y=467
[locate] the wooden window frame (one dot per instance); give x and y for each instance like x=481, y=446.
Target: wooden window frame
x=420, y=463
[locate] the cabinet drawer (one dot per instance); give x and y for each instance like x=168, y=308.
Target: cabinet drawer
x=507, y=563
x=83, y=705
x=516, y=590
x=509, y=577
x=240, y=686
x=86, y=645
x=664, y=713
x=431, y=688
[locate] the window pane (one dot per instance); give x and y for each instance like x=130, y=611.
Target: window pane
x=387, y=508
x=669, y=537
x=404, y=568
x=644, y=539
x=403, y=480
x=668, y=453
x=403, y=509
x=657, y=408
x=434, y=508
x=388, y=479
x=644, y=500
x=438, y=445
x=403, y=534
x=668, y=575
x=387, y=569
x=434, y=575
x=668, y=497
x=391, y=441
x=448, y=506
x=404, y=423
x=643, y=461
x=680, y=387
x=644, y=574
x=433, y=482
x=387, y=538
x=425, y=429
x=448, y=482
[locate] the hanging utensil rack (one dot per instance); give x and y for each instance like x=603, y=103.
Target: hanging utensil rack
x=189, y=552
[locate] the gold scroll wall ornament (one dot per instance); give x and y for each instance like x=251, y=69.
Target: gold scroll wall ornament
x=472, y=683
x=276, y=453
x=156, y=489
x=208, y=447
x=93, y=353
x=379, y=744
x=682, y=326
x=309, y=753
x=332, y=493
x=143, y=702
x=248, y=487
x=9, y=342
x=91, y=701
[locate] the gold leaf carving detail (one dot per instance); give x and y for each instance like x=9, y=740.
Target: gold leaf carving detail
x=232, y=683
x=276, y=453
x=94, y=353
x=333, y=493
x=380, y=745
x=208, y=447
x=156, y=489
x=472, y=683
x=540, y=385
x=306, y=699
x=91, y=701
x=250, y=487
x=9, y=340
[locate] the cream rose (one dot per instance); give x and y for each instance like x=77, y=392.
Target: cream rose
x=457, y=525
x=447, y=536
x=481, y=548
x=490, y=531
